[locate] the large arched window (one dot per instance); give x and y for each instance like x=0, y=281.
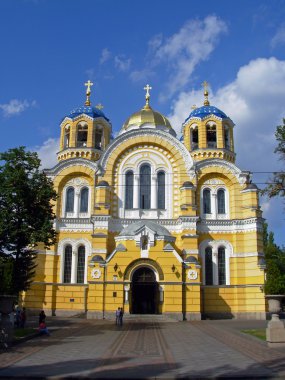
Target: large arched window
x=80, y=264
x=206, y=201
x=69, y=205
x=222, y=266
x=221, y=201
x=98, y=137
x=67, y=264
x=84, y=195
x=66, y=136
x=82, y=133
x=194, y=138
x=211, y=136
x=161, y=190
x=129, y=194
x=145, y=188
x=208, y=266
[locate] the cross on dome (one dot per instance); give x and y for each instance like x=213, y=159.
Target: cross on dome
x=147, y=95
x=205, y=84
x=99, y=106
x=88, y=84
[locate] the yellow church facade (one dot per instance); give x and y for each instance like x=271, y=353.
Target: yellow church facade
x=150, y=222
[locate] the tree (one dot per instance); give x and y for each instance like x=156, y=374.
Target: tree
x=277, y=185
x=26, y=217
x=275, y=264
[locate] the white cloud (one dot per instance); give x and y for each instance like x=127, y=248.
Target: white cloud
x=122, y=63
x=105, y=56
x=183, y=51
x=279, y=37
x=47, y=152
x=15, y=107
x=141, y=75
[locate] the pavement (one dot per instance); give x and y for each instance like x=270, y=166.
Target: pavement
x=144, y=348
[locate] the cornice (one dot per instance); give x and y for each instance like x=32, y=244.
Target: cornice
x=70, y=162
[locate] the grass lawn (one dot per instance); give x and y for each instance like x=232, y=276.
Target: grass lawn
x=21, y=333
x=258, y=333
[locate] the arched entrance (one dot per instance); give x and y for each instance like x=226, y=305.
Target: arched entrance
x=144, y=290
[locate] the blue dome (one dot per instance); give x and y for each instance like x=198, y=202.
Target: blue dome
x=205, y=111
x=87, y=110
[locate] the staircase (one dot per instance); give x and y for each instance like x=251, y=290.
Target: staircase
x=147, y=318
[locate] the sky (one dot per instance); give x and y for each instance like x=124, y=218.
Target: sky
x=50, y=48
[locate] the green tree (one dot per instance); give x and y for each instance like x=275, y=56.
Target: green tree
x=26, y=217
x=277, y=185
x=275, y=263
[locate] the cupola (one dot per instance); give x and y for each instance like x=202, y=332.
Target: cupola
x=85, y=131
x=147, y=118
x=208, y=132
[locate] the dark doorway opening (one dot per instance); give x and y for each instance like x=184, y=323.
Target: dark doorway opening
x=144, y=292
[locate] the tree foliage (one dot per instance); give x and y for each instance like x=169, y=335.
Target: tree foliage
x=277, y=185
x=275, y=263
x=26, y=217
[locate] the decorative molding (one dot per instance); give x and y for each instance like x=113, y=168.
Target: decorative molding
x=71, y=162
x=230, y=226
x=247, y=254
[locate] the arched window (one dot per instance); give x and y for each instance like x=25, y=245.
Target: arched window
x=221, y=201
x=67, y=264
x=227, y=137
x=82, y=133
x=66, y=136
x=221, y=266
x=161, y=190
x=69, y=206
x=208, y=266
x=206, y=201
x=98, y=137
x=211, y=136
x=80, y=264
x=84, y=199
x=145, y=173
x=129, y=194
x=194, y=138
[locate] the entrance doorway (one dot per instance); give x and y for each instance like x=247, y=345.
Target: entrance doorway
x=144, y=292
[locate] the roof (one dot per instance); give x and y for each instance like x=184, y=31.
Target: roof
x=133, y=228
x=205, y=111
x=87, y=110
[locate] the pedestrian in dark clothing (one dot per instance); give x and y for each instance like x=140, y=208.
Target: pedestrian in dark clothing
x=118, y=312
x=23, y=318
x=42, y=317
x=121, y=316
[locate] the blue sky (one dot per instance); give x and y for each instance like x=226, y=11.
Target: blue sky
x=49, y=48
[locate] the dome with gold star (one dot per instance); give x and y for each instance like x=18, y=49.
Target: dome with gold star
x=147, y=118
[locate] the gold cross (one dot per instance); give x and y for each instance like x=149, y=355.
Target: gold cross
x=88, y=84
x=100, y=106
x=194, y=107
x=205, y=84
x=147, y=95
x=206, y=93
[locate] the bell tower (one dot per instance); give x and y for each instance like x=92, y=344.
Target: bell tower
x=208, y=132
x=85, y=132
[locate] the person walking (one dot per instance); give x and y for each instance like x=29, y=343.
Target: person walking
x=23, y=318
x=121, y=316
x=42, y=317
x=118, y=311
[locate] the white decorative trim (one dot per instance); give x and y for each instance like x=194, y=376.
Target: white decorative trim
x=248, y=254
x=96, y=273
x=230, y=226
x=192, y=274
x=71, y=162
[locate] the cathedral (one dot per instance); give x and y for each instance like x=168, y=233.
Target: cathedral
x=150, y=222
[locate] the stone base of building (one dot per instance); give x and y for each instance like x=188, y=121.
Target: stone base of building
x=235, y=315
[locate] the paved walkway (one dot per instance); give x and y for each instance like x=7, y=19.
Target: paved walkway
x=144, y=349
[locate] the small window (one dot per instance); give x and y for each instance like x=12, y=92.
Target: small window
x=67, y=264
x=98, y=138
x=129, y=190
x=208, y=266
x=161, y=190
x=221, y=266
x=206, y=201
x=221, y=201
x=82, y=133
x=81, y=264
x=84, y=199
x=66, y=136
x=227, y=138
x=69, y=200
x=211, y=136
x=194, y=139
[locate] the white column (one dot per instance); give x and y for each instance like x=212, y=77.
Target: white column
x=136, y=190
x=76, y=203
x=214, y=206
x=153, y=192
x=73, y=267
x=126, y=294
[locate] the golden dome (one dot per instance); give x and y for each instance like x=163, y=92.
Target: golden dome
x=147, y=118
